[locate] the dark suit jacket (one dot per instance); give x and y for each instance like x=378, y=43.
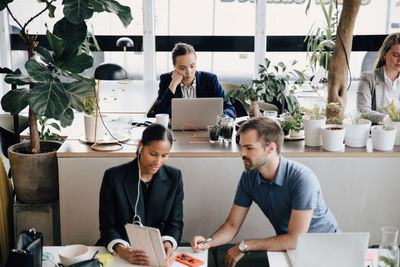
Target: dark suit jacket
x=207, y=85
x=118, y=194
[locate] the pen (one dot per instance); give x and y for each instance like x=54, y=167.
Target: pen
x=205, y=241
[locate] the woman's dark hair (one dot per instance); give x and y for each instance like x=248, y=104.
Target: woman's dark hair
x=155, y=132
x=181, y=49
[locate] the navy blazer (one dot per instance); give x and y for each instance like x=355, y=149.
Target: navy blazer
x=118, y=194
x=207, y=85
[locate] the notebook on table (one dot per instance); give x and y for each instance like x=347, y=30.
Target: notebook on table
x=330, y=250
x=195, y=112
x=147, y=239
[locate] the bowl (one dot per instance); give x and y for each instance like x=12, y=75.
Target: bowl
x=73, y=253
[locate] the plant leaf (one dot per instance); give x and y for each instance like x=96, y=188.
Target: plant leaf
x=55, y=43
x=45, y=55
x=55, y=126
x=51, y=9
x=38, y=71
x=78, y=64
x=97, y=7
x=77, y=91
x=73, y=35
x=66, y=117
x=49, y=99
x=14, y=101
x=18, y=78
x=123, y=12
x=4, y=3
x=76, y=11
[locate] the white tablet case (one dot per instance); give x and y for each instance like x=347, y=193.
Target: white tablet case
x=147, y=239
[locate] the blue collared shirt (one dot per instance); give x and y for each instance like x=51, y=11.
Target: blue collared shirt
x=295, y=187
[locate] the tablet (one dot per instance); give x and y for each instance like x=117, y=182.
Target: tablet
x=147, y=239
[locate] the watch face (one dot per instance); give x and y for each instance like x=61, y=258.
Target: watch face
x=242, y=247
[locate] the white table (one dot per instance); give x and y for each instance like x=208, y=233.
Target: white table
x=281, y=259
x=52, y=253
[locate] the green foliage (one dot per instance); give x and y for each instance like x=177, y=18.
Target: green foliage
x=394, y=112
x=272, y=85
x=293, y=120
x=321, y=40
x=89, y=105
x=314, y=113
x=389, y=262
x=45, y=132
x=54, y=76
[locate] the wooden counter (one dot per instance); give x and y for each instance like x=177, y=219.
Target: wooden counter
x=360, y=186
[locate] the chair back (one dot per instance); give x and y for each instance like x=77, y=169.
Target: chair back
x=8, y=136
x=240, y=105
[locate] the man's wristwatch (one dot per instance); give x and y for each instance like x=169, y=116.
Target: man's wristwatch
x=243, y=246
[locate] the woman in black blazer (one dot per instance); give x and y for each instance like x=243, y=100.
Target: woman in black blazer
x=160, y=200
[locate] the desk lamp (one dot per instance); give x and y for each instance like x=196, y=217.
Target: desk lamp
x=106, y=71
x=125, y=42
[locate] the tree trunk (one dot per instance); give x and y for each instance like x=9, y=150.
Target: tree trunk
x=30, y=43
x=338, y=72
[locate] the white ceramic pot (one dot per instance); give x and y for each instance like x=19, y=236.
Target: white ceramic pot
x=312, y=129
x=90, y=122
x=383, y=139
x=293, y=134
x=388, y=122
x=332, y=137
x=356, y=134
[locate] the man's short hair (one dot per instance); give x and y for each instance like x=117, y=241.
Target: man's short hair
x=268, y=131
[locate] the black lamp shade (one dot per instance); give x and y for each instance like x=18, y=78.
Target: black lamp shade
x=110, y=71
x=125, y=42
x=327, y=45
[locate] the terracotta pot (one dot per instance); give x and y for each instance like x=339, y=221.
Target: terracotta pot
x=35, y=176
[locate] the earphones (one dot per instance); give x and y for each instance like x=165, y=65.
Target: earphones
x=136, y=217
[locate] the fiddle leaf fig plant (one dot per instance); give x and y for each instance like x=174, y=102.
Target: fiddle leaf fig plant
x=54, y=85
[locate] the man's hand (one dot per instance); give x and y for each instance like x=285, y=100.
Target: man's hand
x=232, y=256
x=132, y=256
x=169, y=252
x=176, y=80
x=199, y=247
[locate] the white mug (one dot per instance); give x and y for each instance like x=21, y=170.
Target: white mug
x=162, y=119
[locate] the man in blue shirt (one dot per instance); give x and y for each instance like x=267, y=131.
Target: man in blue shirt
x=287, y=192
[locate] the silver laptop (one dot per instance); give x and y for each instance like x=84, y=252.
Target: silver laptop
x=195, y=112
x=330, y=250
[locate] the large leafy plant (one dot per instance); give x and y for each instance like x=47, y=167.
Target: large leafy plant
x=321, y=40
x=54, y=84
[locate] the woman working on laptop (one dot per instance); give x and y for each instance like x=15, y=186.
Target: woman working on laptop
x=146, y=191
x=186, y=82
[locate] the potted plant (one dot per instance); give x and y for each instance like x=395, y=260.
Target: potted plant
x=357, y=131
x=393, y=120
x=332, y=134
x=89, y=106
x=292, y=124
x=321, y=40
x=56, y=88
x=271, y=85
x=383, y=137
x=313, y=120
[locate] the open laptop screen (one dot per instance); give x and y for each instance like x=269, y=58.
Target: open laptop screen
x=195, y=112
x=330, y=250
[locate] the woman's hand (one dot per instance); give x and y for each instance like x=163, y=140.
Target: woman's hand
x=176, y=80
x=169, y=252
x=132, y=256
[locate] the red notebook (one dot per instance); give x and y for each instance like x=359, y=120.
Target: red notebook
x=188, y=260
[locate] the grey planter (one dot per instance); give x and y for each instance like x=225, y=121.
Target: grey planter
x=35, y=176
